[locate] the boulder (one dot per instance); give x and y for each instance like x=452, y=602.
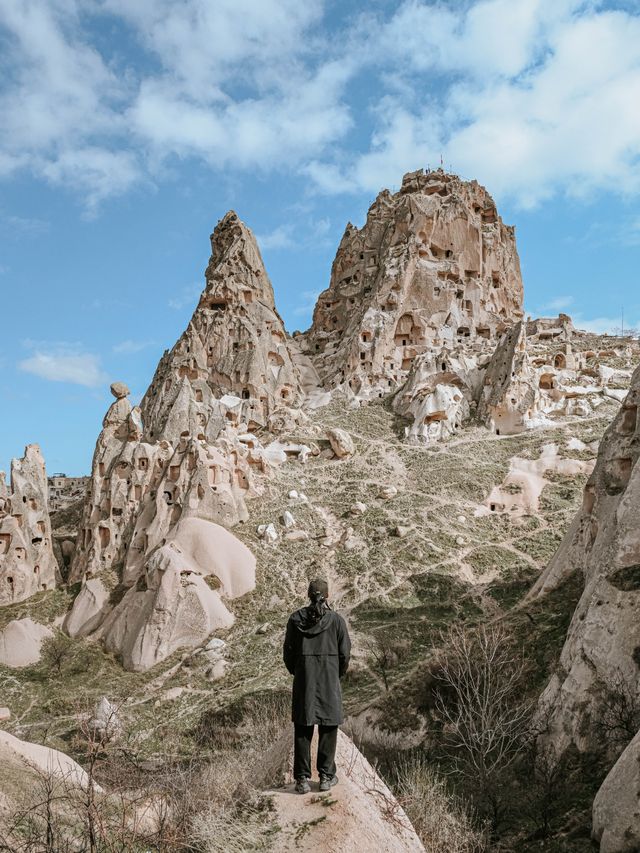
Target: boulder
x=341, y=443
x=360, y=804
x=21, y=642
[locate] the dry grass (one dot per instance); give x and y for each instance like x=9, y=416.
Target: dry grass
x=439, y=818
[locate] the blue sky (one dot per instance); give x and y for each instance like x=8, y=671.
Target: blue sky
x=129, y=128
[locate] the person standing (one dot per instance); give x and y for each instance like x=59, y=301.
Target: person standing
x=316, y=652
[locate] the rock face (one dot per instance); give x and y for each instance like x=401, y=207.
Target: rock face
x=27, y=562
x=434, y=265
x=616, y=808
x=600, y=657
x=233, y=363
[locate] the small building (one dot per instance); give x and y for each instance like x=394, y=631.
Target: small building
x=65, y=490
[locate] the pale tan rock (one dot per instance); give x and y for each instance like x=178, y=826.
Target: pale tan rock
x=25, y=756
x=216, y=671
x=90, y=607
x=234, y=347
x=341, y=442
x=616, y=808
x=119, y=390
x=387, y=493
x=5, y=714
x=358, y=508
x=27, y=561
x=297, y=536
x=356, y=822
x=21, y=642
x=603, y=543
x=509, y=400
x=434, y=265
x=520, y=491
x=173, y=606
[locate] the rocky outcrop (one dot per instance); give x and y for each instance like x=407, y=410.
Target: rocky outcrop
x=27, y=562
x=438, y=395
x=151, y=529
x=360, y=805
x=233, y=363
x=433, y=266
x=177, y=602
x=140, y=490
x=616, y=808
x=601, y=655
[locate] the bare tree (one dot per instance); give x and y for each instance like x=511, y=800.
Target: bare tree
x=480, y=701
x=619, y=700
x=385, y=654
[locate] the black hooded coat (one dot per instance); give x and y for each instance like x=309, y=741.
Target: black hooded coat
x=316, y=652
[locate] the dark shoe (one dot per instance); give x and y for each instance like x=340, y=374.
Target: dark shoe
x=303, y=786
x=327, y=782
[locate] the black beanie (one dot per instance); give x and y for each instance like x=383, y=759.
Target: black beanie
x=318, y=588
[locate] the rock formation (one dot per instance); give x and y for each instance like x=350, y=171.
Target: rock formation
x=233, y=363
x=438, y=395
x=358, y=817
x=616, y=808
x=146, y=500
x=601, y=654
x=27, y=563
x=434, y=265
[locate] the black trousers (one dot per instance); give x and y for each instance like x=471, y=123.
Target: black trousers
x=327, y=740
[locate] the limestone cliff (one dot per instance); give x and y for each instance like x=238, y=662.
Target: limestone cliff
x=433, y=266
x=27, y=562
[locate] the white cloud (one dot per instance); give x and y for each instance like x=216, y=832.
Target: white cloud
x=61, y=103
x=129, y=347
x=188, y=295
x=280, y=238
x=64, y=363
x=309, y=299
x=531, y=97
x=560, y=303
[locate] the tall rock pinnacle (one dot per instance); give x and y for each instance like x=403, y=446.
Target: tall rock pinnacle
x=27, y=563
x=234, y=347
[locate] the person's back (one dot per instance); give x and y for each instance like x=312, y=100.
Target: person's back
x=316, y=652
